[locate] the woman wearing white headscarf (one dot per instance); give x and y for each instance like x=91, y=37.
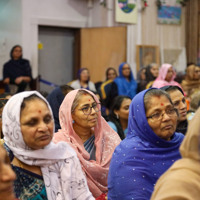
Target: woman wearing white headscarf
x=44, y=170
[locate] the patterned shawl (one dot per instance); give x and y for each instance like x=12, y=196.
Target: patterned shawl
x=105, y=142
x=141, y=158
x=57, y=161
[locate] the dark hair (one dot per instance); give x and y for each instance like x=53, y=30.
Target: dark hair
x=107, y=71
x=116, y=104
x=171, y=88
x=154, y=93
x=13, y=48
x=66, y=89
x=30, y=98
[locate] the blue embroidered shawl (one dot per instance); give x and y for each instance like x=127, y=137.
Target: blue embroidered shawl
x=141, y=158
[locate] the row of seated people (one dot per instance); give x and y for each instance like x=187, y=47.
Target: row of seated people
x=86, y=158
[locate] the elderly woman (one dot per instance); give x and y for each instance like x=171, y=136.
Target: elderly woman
x=125, y=81
x=44, y=170
x=182, y=180
x=83, y=127
x=7, y=177
x=83, y=80
x=150, y=148
x=166, y=77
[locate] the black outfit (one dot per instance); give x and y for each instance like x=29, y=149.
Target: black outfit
x=16, y=68
x=182, y=127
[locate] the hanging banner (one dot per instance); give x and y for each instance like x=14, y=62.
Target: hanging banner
x=126, y=11
x=169, y=12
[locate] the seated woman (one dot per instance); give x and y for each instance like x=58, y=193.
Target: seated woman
x=181, y=181
x=44, y=170
x=149, y=149
x=108, y=89
x=166, y=77
x=17, y=71
x=151, y=73
x=191, y=84
x=7, y=177
x=83, y=81
x=125, y=81
x=141, y=79
x=118, y=118
x=94, y=141
x=178, y=99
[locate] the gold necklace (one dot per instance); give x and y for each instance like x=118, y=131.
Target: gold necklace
x=21, y=165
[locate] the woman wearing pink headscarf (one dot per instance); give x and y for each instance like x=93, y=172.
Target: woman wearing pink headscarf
x=166, y=77
x=94, y=141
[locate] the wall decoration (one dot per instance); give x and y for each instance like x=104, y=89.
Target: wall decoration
x=169, y=12
x=126, y=11
x=147, y=54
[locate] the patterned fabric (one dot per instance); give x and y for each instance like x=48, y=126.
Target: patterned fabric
x=90, y=147
x=61, y=169
x=105, y=142
x=141, y=158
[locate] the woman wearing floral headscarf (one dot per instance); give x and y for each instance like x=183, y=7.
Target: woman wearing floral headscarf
x=44, y=170
x=94, y=141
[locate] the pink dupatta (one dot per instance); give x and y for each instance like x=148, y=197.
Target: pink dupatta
x=160, y=80
x=106, y=139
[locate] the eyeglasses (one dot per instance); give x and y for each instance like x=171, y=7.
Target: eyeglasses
x=159, y=115
x=88, y=109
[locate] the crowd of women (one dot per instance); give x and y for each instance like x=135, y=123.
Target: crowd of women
x=126, y=140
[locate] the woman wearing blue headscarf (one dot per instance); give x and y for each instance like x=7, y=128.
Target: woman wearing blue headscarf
x=125, y=81
x=150, y=148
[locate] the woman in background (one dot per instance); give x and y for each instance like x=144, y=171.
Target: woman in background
x=141, y=79
x=125, y=81
x=166, y=77
x=17, y=70
x=152, y=72
x=83, y=81
x=118, y=118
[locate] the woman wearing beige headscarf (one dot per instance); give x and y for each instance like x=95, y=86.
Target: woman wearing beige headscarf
x=182, y=180
x=191, y=84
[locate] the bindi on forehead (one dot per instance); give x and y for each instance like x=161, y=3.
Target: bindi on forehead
x=162, y=104
x=39, y=111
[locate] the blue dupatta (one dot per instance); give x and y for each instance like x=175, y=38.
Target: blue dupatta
x=141, y=158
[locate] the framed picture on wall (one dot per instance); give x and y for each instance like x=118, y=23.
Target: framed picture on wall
x=147, y=54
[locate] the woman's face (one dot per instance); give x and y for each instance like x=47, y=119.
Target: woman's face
x=126, y=71
x=154, y=70
x=169, y=74
x=196, y=73
x=179, y=102
x=111, y=74
x=85, y=121
x=84, y=76
x=143, y=75
x=17, y=53
x=7, y=177
x=166, y=126
x=36, y=124
x=124, y=109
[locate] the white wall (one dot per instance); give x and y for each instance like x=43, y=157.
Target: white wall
x=10, y=28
